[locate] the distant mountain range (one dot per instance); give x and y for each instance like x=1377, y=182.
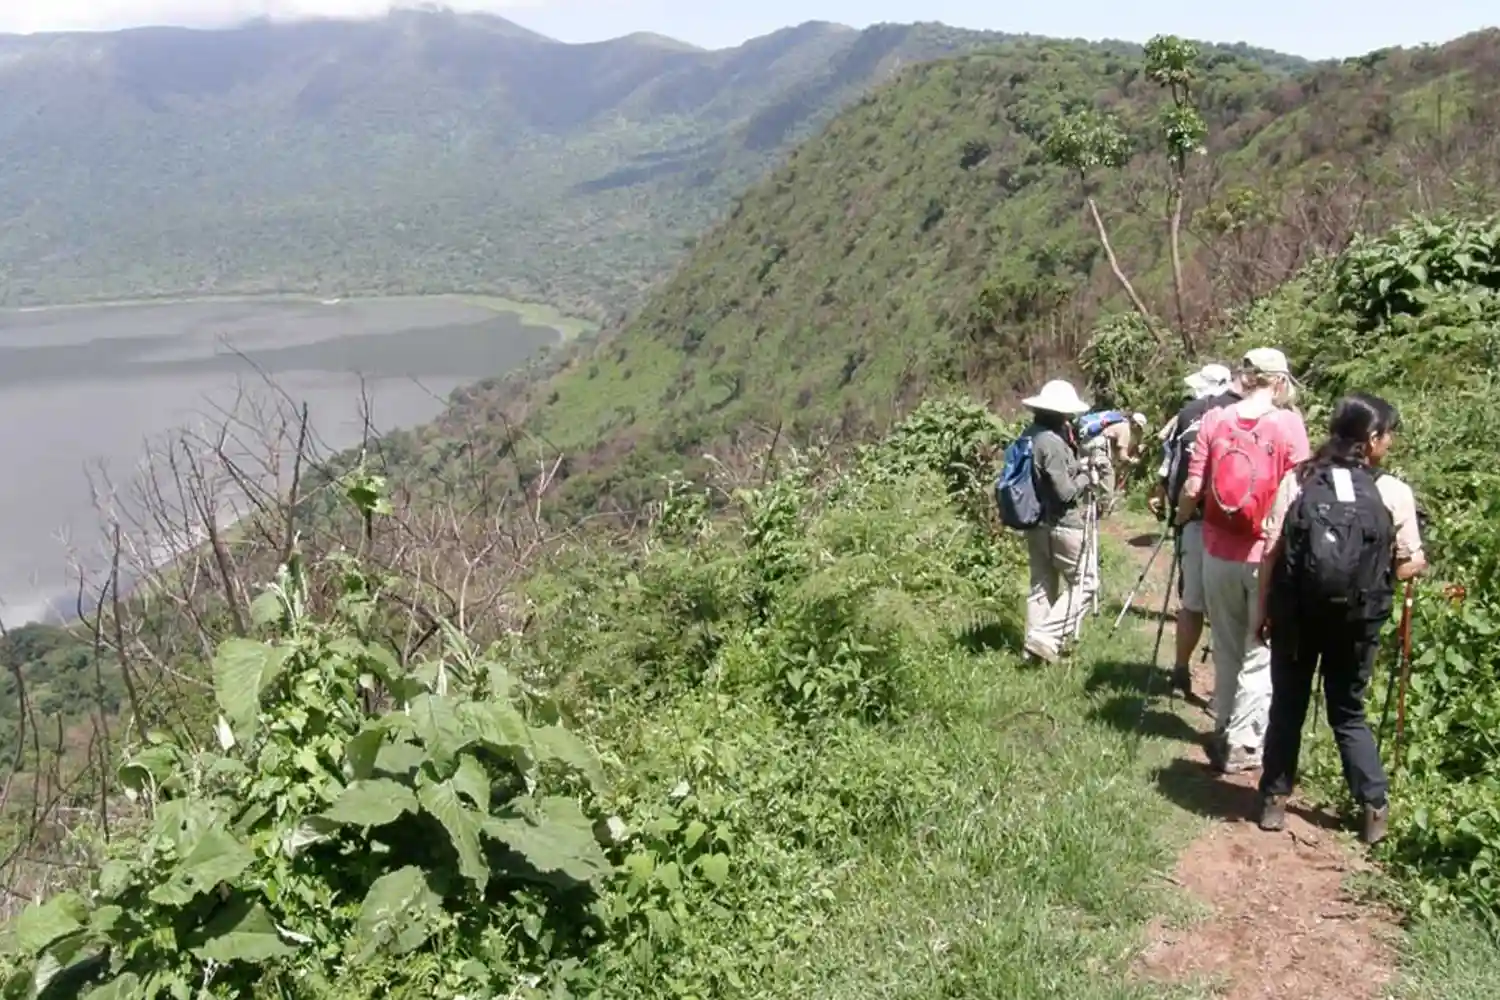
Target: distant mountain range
x=423, y=151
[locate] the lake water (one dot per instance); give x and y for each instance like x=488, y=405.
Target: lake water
x=85, y=386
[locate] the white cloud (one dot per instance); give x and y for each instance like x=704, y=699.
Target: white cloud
x=90, y=15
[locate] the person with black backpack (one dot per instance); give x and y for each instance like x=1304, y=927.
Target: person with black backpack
x=1339, y=536
x=1212, y=386
x=1042, y=491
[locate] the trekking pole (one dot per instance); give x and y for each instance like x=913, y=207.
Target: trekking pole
x=1088, y=569
x=1390, y=684
x=1140, y=580
x=1094, y=554
x=1405, y=668
x=1161, y=628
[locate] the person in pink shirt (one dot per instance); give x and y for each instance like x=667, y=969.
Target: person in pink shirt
x=1239, y=459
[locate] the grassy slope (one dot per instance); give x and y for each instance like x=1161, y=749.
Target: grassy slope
x=848, y=279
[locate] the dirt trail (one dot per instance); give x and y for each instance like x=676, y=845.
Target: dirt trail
x=1281, y=923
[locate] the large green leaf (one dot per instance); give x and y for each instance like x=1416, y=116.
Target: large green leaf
x=40, y=925
x=240, y=931
x=361, y=751
x=125, y=986
x=58, y=969
x=397, y=914
x=563, y=841
x=242, y=669
x=463, y=826
x=438, y=727
x=400, y=760
x=556, y=743
x=372, y=803
x=217, y=857
x=497, y=725
x=267, y=608
x=312, y=830
x=471, y=780
x=148, y=770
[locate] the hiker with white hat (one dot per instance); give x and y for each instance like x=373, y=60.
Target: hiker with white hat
x=1055, y=545
x=1212, y=387
x=1242, y=452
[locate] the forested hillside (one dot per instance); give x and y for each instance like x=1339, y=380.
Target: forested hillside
x=926, y=237
x=426, y=151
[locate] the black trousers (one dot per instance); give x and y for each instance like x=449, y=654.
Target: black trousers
x=1347, y=654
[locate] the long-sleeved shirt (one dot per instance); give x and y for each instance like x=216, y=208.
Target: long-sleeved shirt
x=1060, y=478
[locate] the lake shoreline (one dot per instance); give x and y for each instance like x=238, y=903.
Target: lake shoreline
x=150, y=367
x=537, y=314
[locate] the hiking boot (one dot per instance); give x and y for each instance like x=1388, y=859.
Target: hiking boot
x=1182, y=680
x=1041, y=650
x=1231, y=760
x=1241, y=760
x=1373, y=828
x=1272, y=813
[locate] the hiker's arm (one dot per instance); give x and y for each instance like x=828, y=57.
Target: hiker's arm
x=1411, y=561
x=1051, y=458
x=1263, y=600
x=1275, y=520
x=1187, y=503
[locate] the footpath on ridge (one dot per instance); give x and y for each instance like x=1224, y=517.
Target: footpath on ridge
x=1278, y=916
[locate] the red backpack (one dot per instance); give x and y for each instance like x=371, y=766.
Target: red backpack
x=1243, y=474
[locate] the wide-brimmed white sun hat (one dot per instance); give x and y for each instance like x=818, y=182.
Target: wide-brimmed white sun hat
x=1140, y=420
x=1209, y=380
x=1057, y=396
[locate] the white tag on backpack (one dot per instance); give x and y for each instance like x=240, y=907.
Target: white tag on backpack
x=1343, y=485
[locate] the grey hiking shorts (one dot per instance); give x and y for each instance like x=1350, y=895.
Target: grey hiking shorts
x=1190, y=573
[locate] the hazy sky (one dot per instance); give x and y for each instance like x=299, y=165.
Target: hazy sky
x=1315, y=28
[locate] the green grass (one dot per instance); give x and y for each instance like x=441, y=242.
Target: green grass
x=1037, y=871
x=1450, y=958
x=1036, y=861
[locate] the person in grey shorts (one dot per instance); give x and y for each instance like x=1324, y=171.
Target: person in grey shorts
x=1212, y=386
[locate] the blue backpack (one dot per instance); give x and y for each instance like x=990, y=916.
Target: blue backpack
x=1015, y=490
x=1091, y=424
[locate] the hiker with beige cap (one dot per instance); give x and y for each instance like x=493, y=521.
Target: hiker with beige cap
x=1241, y=454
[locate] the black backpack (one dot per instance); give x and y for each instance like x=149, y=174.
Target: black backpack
x=1338, y=555
x=1180, y=447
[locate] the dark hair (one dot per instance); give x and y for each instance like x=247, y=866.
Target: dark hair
x=1356, y=419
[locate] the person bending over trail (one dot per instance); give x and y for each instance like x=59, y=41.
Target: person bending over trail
x=1124, y=453
x=1241, y=454
x=1340, y=534
x=1055, y=547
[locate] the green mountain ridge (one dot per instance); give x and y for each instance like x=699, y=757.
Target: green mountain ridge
x=421, y=152
x=923, y=239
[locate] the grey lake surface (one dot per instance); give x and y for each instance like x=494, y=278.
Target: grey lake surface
x=85, y=388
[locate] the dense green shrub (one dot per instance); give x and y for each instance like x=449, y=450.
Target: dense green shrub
x=1414, y=315
x=316, y=841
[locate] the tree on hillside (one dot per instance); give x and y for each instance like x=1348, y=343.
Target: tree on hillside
x=1085, y=141
x=1172, y=63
